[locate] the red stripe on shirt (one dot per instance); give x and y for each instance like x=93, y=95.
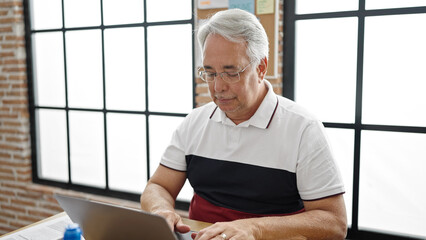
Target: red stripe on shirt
x=202, y=210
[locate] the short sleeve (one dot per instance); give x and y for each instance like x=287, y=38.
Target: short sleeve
x=174, y=155
x=317, y=173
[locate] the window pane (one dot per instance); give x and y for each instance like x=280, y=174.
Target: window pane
x=170, y=68
x=46, y=14
x=315, y=6
x=161, y=129
x=82, y=13
x=325, y=67
x=126, y=152
x=342, y=141
x=160, y=133
x=186, y=192
x=123, y=11
x=84, y=68
x=52, y=145
x=168, y=10
x=377, y=4
x=124, y=69
x=49, y=73
x=394, y=70
x=392, y=182
x=87, y=148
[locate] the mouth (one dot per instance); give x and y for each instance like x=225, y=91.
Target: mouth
x=224, y=100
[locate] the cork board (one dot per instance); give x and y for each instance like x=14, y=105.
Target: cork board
x=270, y=23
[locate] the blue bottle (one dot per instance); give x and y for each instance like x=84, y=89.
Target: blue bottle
x=72, y=232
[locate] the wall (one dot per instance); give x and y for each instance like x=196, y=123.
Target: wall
x=21, y=201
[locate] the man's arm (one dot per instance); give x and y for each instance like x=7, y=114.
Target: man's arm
x=160, y=194
x=323, y=219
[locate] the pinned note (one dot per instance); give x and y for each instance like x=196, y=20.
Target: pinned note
x=247, y=5
x=264, y=7
x=211, y=4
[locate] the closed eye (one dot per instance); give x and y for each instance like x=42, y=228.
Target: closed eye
x=232, y=74
x=210, y=74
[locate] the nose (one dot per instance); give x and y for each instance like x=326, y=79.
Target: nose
x=219, y=84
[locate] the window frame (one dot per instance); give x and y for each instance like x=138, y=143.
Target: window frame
x=33, y=107
x=288, y=69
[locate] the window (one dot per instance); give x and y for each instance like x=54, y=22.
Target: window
x=359, y=66
x=110, y=82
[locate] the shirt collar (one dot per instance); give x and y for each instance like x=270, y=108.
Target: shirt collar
x=261, y=118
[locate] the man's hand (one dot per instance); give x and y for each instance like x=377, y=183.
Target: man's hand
x=160, y=194
x=235, y=230
x=323, y=219
x=174, y=220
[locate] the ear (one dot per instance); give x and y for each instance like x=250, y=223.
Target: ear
x=262, y=68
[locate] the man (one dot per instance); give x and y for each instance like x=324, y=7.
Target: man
x=260, y=165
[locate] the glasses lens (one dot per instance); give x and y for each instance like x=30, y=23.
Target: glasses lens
x=231, y=77
x=206, y=76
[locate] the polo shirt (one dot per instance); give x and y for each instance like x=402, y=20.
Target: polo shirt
x=266, y=165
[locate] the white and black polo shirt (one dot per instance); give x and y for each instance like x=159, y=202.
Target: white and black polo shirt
x=266, y=165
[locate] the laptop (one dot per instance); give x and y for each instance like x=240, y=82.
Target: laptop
x=102, y=221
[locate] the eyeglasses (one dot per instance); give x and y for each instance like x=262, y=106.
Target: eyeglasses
x=229, y=77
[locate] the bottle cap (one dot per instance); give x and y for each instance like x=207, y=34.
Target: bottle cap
x=72, y=232
x=72, y=226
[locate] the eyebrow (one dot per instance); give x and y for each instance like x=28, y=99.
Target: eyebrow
x=226, y=67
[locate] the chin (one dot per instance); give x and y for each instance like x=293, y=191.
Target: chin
x=228, y=109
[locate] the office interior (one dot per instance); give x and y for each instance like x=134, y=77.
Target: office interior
x=90, y=92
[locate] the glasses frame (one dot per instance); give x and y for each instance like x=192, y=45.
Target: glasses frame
x=226, y=79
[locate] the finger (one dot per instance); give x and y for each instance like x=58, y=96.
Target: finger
x=181, y=227
x=220, y=237
x=208, y=234
x=223, y=236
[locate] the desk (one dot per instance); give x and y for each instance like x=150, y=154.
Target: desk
x=61, y=217
x=195, y=225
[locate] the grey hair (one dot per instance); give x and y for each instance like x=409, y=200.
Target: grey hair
x=237, y=25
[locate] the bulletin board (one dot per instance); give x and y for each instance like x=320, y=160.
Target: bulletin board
x=269, y=22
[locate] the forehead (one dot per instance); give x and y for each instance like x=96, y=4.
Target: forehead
x=219, y=52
